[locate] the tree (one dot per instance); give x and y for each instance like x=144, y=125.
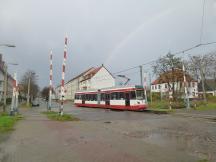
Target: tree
x=45, y=92
x=167, y=68
x=202, y=67
x=29, y=77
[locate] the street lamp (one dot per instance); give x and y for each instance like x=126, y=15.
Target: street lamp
x=8, y=45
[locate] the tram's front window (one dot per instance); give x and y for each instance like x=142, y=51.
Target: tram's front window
x=140, y=94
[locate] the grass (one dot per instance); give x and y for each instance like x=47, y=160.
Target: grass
x=204, y=160
x=55, y=116
x=207, y=106
x=7, y=122
x=161, y=105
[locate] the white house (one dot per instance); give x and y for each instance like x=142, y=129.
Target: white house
x=71, y=86
x=160, y=85
x=92, y=78
x=97, y=78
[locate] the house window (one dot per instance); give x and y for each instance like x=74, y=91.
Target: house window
x=159, y=86
x=166, y=85
x=193, y=84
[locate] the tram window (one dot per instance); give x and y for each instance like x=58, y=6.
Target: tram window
x=114, y=96
x=88, y=97
x=120, y=96
x=83, y=97
x=79, y=97
x=102, y=96
x=140, y=94
x=94, y=97
x=132, y=95
x=107, y=96
x=91, y=97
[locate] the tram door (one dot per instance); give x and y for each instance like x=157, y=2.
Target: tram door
x=107, y=98
x=83, y=99
x=127, y=99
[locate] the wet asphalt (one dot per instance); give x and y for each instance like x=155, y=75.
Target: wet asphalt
x=110, y=136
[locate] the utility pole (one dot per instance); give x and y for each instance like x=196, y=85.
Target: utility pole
x=141, y=75
x=150, y=87
x=186, y=87
x=203, y=82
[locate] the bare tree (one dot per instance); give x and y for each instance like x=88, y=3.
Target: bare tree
x=29, y=78
x=202, y=67
x=45, y=92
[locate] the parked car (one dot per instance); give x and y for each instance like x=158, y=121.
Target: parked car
x=35, y=103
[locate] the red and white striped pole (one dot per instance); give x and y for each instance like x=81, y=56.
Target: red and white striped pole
x=63, y=77
x=50, y=82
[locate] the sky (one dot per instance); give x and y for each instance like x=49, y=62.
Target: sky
x=117, y=33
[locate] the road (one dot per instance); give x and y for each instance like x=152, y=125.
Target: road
x=110, y=136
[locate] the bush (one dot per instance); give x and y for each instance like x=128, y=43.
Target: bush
x=178, y=104
x=156, y=96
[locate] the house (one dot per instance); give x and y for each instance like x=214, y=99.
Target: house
x=92, y=78
x=73, y=85
x=210, y=87
x=164, y=83
x=10, y=81
x=97, y=78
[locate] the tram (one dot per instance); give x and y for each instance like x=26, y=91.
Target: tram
x=119, y=98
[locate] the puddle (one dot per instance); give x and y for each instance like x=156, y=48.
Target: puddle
x=178, y=140
x=108, y=122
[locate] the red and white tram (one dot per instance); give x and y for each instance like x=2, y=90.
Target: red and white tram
x=121, y=98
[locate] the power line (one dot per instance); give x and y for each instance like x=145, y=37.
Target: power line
x=176, y=53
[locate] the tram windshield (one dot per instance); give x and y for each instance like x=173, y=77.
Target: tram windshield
x=140, y=94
